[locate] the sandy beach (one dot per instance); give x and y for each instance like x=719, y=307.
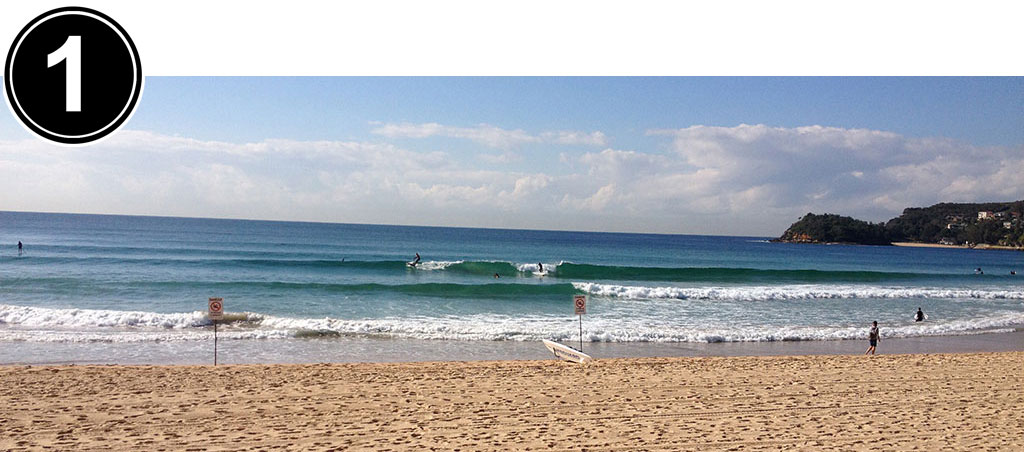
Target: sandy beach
x=972, y=401
x=938, y=245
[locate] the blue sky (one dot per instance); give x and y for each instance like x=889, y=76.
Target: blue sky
x=720, y=155
x=982, y=111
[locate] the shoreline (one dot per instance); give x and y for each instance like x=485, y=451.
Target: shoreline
x=961, y=247
x=356, y=349
x=968, y=401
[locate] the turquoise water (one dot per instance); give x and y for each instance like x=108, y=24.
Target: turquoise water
x=120, y=280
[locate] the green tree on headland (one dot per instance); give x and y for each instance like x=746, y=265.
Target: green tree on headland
x=966, y=223
x=830, y=228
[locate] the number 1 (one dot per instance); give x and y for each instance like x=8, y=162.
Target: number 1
x=71, y=54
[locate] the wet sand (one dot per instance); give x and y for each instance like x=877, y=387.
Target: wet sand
x=969, y=401
x=366, y=349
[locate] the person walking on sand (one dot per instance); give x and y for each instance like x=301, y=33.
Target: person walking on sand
x=873, y=338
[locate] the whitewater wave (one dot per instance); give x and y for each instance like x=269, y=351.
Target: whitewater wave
x=21, y=323
x=789, y=292
x=436, y=265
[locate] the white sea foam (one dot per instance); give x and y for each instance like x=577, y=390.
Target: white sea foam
x=789, y=292
x=71, y=336
x=436, y=265
x=78, y=325
x=93, y=318
x=535, y=267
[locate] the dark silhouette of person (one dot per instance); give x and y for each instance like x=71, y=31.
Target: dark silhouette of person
x=919, y=316
x=873, y=338
x=20, y=246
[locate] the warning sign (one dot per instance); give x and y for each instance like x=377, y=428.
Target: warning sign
x=216, y=308
x=580, y=302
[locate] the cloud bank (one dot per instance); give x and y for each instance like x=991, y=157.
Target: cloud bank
x=742, y=180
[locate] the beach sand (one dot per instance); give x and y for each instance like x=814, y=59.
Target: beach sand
x=982, y=246
x=972, y=401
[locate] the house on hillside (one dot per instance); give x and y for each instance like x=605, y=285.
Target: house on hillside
x=986, y=215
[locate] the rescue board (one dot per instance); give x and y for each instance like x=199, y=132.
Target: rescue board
x=567, y=353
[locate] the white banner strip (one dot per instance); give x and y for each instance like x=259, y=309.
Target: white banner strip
x=529, y=37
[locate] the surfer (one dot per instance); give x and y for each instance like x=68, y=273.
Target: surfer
x=20, y=247
x=919, y=316
x=978, y=271
x=540, y=267
x=415, y=261
x=496, y=276
x=873, y=338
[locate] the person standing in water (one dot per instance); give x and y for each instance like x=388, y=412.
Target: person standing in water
x=919, y=316
x=20, y=247
x=873, y=338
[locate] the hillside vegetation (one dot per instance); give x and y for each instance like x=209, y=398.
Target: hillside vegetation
x=830, y=228
x=968, y=224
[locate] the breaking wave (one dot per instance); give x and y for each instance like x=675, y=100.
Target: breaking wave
x=22, y=323
x=790, y=292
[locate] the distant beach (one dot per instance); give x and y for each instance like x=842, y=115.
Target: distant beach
x=938, y=245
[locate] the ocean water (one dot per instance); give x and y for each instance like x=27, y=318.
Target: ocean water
x=121, y=289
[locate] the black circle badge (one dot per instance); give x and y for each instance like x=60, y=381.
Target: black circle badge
x=73, y=76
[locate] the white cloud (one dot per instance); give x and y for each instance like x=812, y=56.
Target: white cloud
x=505, y=158
x=484, y=134
x=489, y=135
x=572, y=137
x=748, y=179
x=867, y=173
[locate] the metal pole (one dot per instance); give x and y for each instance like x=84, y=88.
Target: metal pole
x=581, y=333
x=214, y=342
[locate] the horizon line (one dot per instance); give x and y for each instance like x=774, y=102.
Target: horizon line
x=375, y=224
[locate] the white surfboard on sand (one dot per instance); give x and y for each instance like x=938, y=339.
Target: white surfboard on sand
x=567, y=353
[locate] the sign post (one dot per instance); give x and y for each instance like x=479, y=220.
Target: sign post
x=216, y=313
x=580, y=303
